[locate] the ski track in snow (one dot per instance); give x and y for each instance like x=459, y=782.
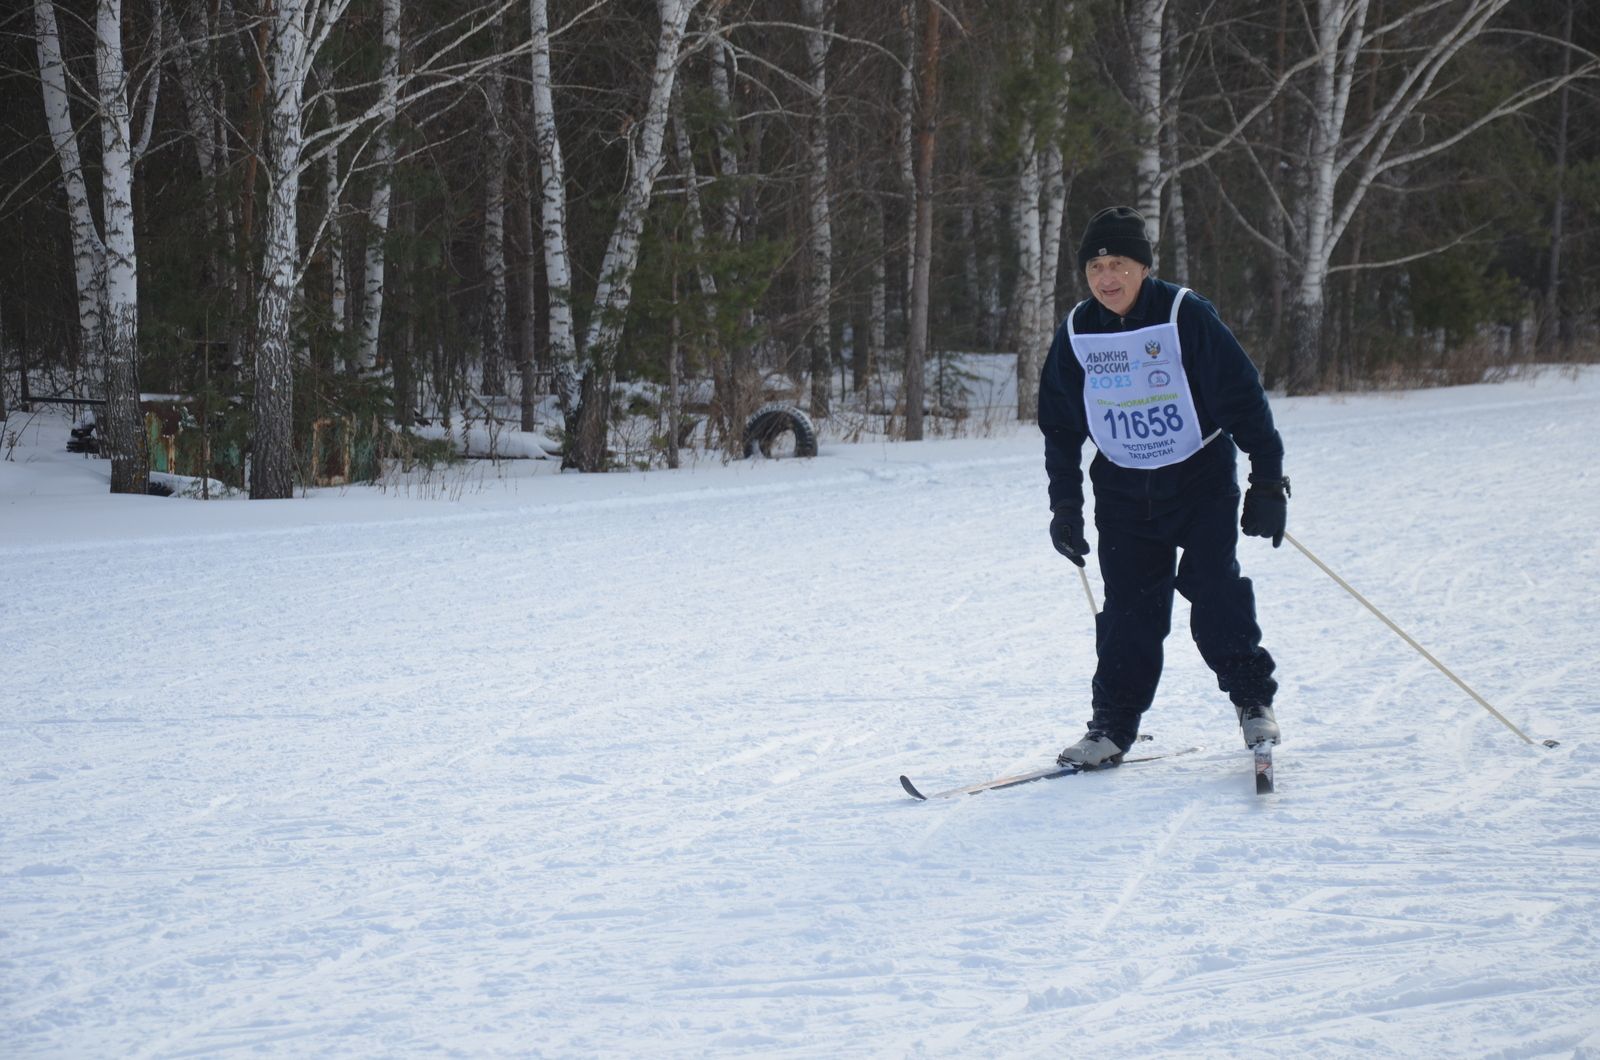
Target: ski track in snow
x=584, y=766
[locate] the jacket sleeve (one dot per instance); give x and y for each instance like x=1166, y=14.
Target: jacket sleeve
x=1229, y=387
x=1062, y=422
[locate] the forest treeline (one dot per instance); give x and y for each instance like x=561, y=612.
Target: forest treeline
x=288, y=213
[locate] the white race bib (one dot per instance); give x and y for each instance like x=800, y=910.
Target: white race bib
x=1136, y=394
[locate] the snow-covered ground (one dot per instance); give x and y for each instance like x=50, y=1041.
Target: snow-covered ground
x=555, y=765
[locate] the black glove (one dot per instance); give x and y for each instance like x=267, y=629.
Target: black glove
x=1066, y=533
x=1266, y=508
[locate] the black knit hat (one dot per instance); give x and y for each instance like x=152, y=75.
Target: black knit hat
x=1116, y=230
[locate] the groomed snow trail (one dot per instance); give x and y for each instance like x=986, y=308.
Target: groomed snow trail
x=583, y=766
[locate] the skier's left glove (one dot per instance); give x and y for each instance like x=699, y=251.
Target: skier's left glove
x=1266, y=508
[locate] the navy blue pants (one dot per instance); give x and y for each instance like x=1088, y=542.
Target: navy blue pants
x=1141, y=566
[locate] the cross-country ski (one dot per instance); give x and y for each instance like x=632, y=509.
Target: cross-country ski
x=1261, y=755
x=1048, y=773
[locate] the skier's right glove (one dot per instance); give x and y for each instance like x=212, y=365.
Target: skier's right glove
x=1066, y=533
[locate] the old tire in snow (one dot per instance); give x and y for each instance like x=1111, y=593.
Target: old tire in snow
x=769, y=423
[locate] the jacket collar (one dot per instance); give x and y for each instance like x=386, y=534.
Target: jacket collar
x=1137, y=313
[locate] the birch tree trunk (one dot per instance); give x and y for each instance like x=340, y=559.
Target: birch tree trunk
x=877, y=307
x=1332, y=78
x=737, y=385
x=704, y=279
x=1053, y=185
x=88, y=251
x=1028, y=300
x=527, y=213
x=819, y=214
x=674, y=382
x=204, y=106
x=905, y=154
x=1041, y=210
x=922, y=256
x=615, y=288
x=130, y=459
x=494, y=227
x=1277, y=223
x=1146, y=18
x=971, y=271
x=1345, y=160
x=1177, y=223
x=994, y=313
x=338, y=285
x=693, y=212
x=553, y=217
x=248, y=281
x=272, y=448
x=295, y=32
x=1555, y=329
x=722, y=96
x=382, y=190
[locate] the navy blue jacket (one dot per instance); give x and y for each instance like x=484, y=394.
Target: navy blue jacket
x=1227, y=395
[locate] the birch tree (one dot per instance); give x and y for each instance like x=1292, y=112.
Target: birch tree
x=1346, y=158
x=1159, y=150
x=494, y=225
x=106, y=266
x=88, y=252
x=877, y=334
x=721, y=58
x=382, y=187
x=922, y=247
x=130, y=460
x=296, y=32
x=1029, y=292
x=553, y=216
x=298, y=29
x=338, y=282
x=1040, y=209
x=1177, y=227
x=193, y=52
x=905, y=149
x=1146, y=22
x=527, y=216
x=1555, y=328
x=590, y=399
x=737, y=388
x=818, y=209
x=1053, y=186
x=705, y=280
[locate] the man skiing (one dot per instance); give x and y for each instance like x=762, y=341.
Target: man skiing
x=1149, y=372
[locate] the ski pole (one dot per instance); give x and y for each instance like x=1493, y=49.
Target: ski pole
x=1347, y=587
x=1094, y=608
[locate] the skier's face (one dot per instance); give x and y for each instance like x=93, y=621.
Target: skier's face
x=1115, y=281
